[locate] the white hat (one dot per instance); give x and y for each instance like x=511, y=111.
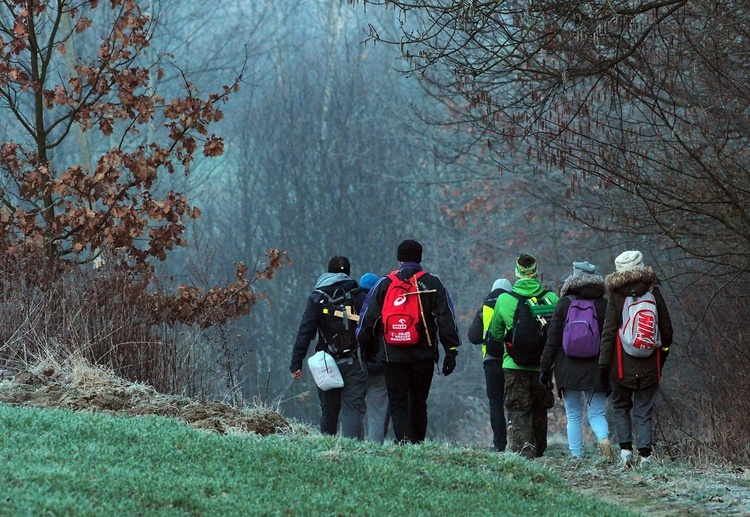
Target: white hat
x=628, y=260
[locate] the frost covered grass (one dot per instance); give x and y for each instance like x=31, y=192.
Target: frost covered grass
x=61, y=462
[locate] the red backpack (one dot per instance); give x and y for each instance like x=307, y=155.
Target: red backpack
x=402, y=312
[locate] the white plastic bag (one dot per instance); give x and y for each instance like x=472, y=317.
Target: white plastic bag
x=325, y=372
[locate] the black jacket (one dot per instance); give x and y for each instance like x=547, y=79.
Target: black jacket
x=481, y=322
x=438, y=311
x=571, y=372
x=477, y=331
x=313, y=319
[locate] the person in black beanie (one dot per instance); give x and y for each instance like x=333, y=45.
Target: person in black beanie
x=409, y=367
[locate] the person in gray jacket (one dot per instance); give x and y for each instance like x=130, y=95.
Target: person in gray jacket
x=377, y=413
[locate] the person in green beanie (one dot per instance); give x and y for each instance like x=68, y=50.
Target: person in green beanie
x=526, y=399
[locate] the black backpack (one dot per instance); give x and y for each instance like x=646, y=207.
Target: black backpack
x=339, y=322
x=526, y=339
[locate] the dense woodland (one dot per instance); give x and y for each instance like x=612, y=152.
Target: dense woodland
x=171, y=188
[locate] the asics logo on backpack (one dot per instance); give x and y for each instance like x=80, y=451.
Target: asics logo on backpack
x=399, y=301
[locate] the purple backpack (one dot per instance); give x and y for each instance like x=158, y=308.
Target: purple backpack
x=581, y=332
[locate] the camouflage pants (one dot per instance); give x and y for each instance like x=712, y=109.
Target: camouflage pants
x=527, y=402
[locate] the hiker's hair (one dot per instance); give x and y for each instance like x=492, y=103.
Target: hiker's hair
x=526, y=260
x=339, y=264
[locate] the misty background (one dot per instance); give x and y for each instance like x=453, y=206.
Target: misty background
x=337, y=144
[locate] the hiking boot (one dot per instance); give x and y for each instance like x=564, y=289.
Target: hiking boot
x=626, y=458
x=647, y=461
x=528, y=451
x=606, y=449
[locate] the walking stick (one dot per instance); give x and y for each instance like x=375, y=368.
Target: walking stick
x=421, y=308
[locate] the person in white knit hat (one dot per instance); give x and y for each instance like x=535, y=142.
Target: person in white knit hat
x=634, y=379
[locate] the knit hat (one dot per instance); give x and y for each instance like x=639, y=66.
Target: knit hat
x=526, y=266
x=368, y=280
x=628, y=260
x=339, y=264
x=409, y=251
x=583, y=268
x=502, y=283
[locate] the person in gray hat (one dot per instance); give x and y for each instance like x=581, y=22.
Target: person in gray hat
x=572, y=352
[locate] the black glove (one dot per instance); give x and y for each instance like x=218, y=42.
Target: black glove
x=545, y=379
x=604, y=376
x=449, y=363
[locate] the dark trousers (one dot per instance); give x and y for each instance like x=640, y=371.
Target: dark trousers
x=408, y=386
x=495, y=380
x=347, y=402
x=527, y=401
x=633, y=412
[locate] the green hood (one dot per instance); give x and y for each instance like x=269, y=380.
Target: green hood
x=505, y=307
x=528, y=287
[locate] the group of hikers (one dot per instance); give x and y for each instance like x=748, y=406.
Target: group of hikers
x=598, y=338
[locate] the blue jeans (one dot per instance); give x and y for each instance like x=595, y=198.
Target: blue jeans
x=596, y=413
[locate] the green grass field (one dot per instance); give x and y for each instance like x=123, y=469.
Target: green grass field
x=57, y=462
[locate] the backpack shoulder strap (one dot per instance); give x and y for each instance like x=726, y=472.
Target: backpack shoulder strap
x=339, y=296
x=393, y=277
x=322, y=295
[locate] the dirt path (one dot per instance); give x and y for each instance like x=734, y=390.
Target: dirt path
x=665, y=489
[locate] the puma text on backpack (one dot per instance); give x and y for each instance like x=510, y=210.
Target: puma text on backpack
x=339, y=322
x=639, y=333
x=580, y=337
x=526, y=339
x=401, y=312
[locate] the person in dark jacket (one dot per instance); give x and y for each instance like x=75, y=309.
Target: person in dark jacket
x=493, y=365
x=577, y=379
x=377, y=413
x=634, y=380
x=349, y=401
x=409, y=369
